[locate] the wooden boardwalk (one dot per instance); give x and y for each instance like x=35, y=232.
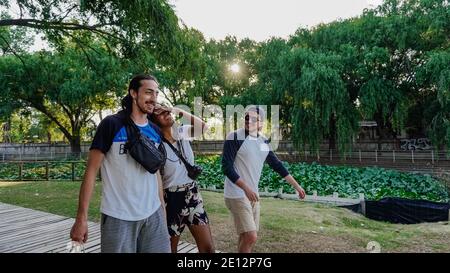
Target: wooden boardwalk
x=25, y=230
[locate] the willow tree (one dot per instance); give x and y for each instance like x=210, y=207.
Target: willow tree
x=122, y=24
x=381, y=52
x=184, y=75
x=382, y=97
x=67, y=89
x=322, y=107
x=435, y=77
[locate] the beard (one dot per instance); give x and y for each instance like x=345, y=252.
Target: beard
x=147, y=107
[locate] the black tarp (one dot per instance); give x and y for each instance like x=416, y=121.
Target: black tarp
x=403, y=211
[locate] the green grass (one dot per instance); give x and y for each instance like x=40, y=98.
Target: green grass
x=58, y=197
x=286, y=225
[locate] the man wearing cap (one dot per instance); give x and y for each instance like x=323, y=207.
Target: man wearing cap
x=244, y=153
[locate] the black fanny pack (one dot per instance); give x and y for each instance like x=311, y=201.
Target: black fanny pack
x=143, y=149
x=194, y=171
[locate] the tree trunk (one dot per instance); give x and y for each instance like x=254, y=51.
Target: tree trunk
x=380, y=129
x=75, y=144
x=332, y=134
x=7, y=132
x=49, y=137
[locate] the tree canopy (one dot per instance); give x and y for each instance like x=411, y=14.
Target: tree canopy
x=389, y=65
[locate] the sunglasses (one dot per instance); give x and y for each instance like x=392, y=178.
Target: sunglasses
x=251, y=119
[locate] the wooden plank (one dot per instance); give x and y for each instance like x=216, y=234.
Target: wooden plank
x=4, y=210
x=40, y=242
x=93, y=242
x=93, y=239
x=187, y=249
x=43, y=234
x=195, y=250
x=182, y=246
x=94, y=249
x=29, y=222
x=31, y=228
x=10, y=217
x=37, y=231
x=4, y=206
x=32, y=231
x=61, y=243
x=19, y=216
x=22, y=209
x=47, y=241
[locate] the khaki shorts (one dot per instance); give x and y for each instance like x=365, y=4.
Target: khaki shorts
x=245, y=214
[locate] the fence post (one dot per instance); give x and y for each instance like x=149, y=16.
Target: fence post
x=362, y=202
x=432, y=156
x=73, y=171
x=376, y=156
x=359, y=155
x=393, y=155
x=46, y=171
x=314, y=195
x=318, y=155
x=361, y=197
x=20, y=170
x=412, y=156
x=331, y=155
x=335, y=197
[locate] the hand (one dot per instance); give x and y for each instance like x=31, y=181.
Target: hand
x=251, y=195
x=175, y=111
x=301, y=193
x=158, y=109
x=79, y=232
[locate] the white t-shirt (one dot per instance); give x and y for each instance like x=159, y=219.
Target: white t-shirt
x=248, y=163
x=130, y=192
x=175, y=172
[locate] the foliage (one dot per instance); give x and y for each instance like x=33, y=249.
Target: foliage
x=65, y=88
x=375, y=183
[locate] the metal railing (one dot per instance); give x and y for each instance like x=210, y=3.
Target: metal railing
x=51, y=156
x=41, y=170
x=394, y=156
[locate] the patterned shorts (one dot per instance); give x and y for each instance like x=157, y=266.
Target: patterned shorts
x=184, y=206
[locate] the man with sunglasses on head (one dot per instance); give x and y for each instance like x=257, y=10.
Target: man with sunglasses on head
x=244, y=153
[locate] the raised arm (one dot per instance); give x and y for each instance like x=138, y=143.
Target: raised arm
x=198, y=125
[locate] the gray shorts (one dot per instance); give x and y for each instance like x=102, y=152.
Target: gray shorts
x=145, y=236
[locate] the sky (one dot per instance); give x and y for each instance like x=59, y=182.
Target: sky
x=259, y=19
x=262, y=19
